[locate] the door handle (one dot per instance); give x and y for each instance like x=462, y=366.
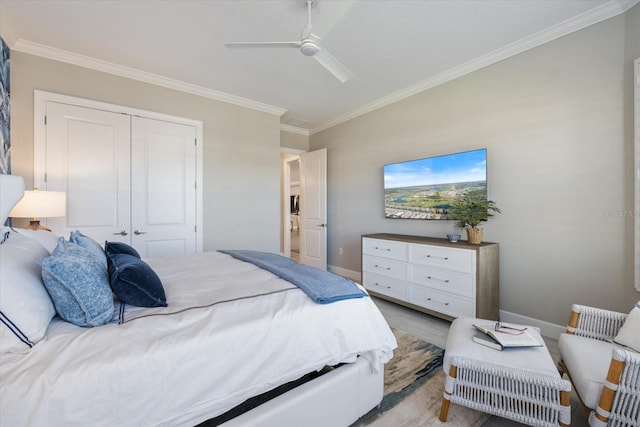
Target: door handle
x=322, y=225
x=122, y=233
x=138, y=232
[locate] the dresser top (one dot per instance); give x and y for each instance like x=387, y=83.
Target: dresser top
x=427, y=240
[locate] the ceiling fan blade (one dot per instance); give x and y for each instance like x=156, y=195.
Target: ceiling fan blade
x=240, y=45
x=333, y=65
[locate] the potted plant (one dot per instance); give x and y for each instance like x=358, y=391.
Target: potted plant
x=469, y=212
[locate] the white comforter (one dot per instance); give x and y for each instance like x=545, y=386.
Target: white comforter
x=179, y=365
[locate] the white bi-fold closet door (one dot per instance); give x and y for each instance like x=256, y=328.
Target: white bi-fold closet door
x=127, y=178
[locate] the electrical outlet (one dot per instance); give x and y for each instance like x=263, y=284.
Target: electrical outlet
x=340, y=251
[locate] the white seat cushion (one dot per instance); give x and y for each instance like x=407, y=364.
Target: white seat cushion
x=460, y=344
x=588, y=363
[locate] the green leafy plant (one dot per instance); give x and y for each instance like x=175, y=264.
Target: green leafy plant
x=469, y=212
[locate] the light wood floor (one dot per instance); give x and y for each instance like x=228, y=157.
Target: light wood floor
x=435, y=330
x=295, y=244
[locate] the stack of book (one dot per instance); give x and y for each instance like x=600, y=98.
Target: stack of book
x=506, y=336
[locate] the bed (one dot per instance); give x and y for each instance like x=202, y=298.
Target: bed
x=230, y=331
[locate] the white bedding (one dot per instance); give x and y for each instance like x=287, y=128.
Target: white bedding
x=178, y=366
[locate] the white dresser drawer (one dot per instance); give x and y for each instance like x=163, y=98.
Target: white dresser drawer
x=386, y=267
x=385, y=285
x=453, y=305
x=443, y=257
x=385, y=248
x=446, y=280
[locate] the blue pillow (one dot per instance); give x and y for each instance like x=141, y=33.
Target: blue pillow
x=134, y=282
x=78, y=285
x=89, y=244
x=112, y=248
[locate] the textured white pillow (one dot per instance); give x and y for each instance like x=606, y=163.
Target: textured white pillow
x=25, y=306
x=629, y=334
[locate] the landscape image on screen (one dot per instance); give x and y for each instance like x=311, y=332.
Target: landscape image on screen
x=426, y=188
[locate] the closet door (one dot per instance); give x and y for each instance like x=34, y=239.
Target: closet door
x=87, y=156
x=163, y=183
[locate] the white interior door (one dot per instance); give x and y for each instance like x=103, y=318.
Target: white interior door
x=128, y=179
x=313, y=208
x=87, y=156
x=163, y=183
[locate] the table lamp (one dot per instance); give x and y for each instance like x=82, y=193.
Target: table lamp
x=40, y=204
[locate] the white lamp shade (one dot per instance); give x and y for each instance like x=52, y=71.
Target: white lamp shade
x=40, y=204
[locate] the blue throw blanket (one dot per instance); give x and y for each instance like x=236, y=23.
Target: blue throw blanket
x=321, y=286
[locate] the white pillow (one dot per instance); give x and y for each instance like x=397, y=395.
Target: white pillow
x=46, y=238
x=629, y=334
x=25, y=306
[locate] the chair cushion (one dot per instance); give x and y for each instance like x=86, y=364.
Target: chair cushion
x=588, y=363
x=460, y=344
x=629, y=334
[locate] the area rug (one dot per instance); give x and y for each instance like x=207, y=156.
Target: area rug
x=413, y=386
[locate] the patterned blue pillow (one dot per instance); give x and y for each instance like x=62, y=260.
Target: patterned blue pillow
x=134, y=282
x=89, y=244
x=112, y=248
x=78, y=285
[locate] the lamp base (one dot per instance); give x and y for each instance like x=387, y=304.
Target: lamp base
x=35, y=226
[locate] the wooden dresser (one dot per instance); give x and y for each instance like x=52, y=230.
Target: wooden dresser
x=433, y=275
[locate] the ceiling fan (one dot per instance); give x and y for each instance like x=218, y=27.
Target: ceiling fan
x=309, y=45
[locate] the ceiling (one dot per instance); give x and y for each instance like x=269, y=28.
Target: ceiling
x=393, y=48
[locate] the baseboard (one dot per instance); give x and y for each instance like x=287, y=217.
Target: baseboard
x=549, y=330
x=349, y=274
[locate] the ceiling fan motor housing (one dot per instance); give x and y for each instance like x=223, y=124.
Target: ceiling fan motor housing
x=309, y=47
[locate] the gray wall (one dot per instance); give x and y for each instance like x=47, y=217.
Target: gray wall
x=241, y=146
x=553, y=120
x=294, y=140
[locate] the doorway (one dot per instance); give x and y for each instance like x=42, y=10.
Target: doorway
x=310, y=223
x=291, y=205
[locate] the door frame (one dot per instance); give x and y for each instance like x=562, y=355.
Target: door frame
x=286, y=198
x=636, y=131
x=41, y=98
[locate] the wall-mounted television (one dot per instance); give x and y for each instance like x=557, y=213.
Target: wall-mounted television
x=425, y=188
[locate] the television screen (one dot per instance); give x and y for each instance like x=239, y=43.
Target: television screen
x=425, y=188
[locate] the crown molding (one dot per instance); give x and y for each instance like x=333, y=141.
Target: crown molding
x=294, y=129
x=627, y=4
x=591, y=17
x=143, y=76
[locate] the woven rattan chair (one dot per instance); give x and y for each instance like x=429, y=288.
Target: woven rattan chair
x=605, y=376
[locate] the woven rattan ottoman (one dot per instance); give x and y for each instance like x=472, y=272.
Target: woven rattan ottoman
x=521, y=384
